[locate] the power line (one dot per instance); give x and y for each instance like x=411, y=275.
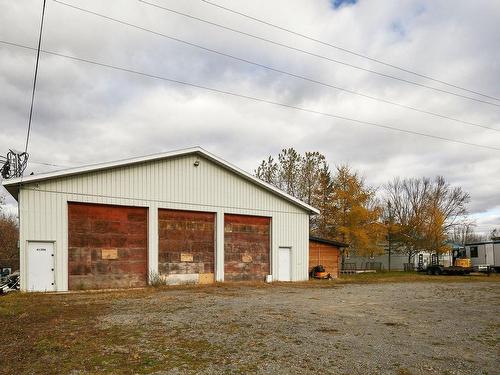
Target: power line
x=313, y=54
x=346, y=50
x=34, y=79
x=273, y=69
x=253, y=98
x=48, y=164
x=3, y=158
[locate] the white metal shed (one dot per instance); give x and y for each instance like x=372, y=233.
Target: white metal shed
x=186, y=216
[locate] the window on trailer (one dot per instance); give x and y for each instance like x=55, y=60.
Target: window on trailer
x=473, y=252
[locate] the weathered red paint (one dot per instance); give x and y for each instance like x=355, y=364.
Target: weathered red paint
x=94, y=227
x=247, y=242
x=186, y=232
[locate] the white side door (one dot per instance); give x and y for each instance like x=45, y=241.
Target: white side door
x=285, y=264
x=41, y=267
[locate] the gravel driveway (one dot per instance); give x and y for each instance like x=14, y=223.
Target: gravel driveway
x=396, y=328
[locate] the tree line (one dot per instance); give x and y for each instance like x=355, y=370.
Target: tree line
x=412, y=214
x=9, y=237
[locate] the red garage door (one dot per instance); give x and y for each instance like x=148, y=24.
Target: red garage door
x=246, y=247
x=108, y=246
x=186, y=244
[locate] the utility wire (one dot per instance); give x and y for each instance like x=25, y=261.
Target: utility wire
x=345, y=49
x=48, y=164
x=253, y=98
x=34, y=79
x=311, y=53
x=274, y=69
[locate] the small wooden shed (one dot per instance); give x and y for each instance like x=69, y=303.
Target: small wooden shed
x=326, y=253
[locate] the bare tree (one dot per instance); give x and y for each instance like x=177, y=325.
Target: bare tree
x=450, y=201
x=311, y=167
x=407, y=199
x=425, y=211
x=464, y=233
x=323, y=224
x=283, y=173
x=495, y=234
x=293, y=173
x=289, y=172
x=268, y=171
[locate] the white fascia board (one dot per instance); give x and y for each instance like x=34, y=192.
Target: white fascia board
x=13, y=184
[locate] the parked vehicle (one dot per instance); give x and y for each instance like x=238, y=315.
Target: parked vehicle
x=461, y=265
x=10, y=283
x=319, y=272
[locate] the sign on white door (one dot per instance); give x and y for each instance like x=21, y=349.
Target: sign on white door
x=41, y=267
x=285, y=264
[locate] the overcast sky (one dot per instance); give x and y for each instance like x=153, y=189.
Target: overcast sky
x=86, y=114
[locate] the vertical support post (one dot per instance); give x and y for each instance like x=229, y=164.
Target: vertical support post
x=22, y=241
x=219, y=246
x=390, y=250
x=152, y=240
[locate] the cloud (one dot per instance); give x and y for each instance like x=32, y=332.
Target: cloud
x=86, y=114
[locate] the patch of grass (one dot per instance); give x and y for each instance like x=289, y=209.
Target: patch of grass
x=48, y=333
x=398, y=277
x=156, y=280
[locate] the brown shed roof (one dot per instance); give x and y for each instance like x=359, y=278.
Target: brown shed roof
x=328, y=242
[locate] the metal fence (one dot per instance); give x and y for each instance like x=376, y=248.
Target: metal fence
x=350, y=267
x=409, y=267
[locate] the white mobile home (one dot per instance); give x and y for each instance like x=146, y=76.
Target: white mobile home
x=182, y=216
x=485, y=253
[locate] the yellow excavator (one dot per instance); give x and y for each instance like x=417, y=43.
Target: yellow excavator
x=463, y=262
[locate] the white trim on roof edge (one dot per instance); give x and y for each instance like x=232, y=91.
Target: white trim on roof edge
x=16, y=182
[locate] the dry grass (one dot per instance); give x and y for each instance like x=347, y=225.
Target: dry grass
x=405, y=277
x=49, y=332
x=58, y=333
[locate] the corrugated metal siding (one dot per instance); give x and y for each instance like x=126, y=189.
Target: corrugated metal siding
x=170, y=183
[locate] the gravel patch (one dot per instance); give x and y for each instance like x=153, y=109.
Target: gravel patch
x=390, y=328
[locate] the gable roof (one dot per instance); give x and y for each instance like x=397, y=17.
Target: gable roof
x=14, y=184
